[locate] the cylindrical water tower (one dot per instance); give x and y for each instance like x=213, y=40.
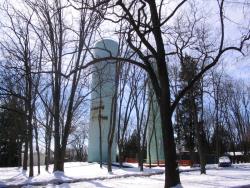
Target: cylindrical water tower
x=103, y=89
x=155, y=150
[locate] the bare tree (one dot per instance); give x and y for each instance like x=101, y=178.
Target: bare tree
x=126, y=106
x=24, y=56
x=57, y=35
x=239, y=106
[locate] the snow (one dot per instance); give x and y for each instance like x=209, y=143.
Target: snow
x=89, y=175
x=237, y=153
x=74, y=171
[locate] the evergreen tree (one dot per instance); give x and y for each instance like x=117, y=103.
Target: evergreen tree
x=12, y=132
x=190, y=112
x=188, y=103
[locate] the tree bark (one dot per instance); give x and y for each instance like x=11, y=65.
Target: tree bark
x=37, y=149
x=25, y=154
x=48, y=140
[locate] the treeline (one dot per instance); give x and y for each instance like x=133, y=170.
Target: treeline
x=213, y=117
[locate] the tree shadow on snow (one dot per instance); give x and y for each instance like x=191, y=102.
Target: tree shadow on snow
x=99, y=184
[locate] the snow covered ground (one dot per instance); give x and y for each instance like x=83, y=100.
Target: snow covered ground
x=89, y=175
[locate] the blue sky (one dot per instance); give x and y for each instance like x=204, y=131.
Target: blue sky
x=237, y=20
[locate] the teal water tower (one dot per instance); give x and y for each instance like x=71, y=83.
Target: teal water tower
x=103, y=89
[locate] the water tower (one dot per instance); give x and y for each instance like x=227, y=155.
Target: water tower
x=103, y=89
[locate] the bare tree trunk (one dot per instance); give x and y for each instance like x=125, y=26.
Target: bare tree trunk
x=120, y=149
x=20, y=145
x=58, y=161
x=200, y=138
x=113, y=114
x=37, y=149
x=29, y=112
x=200, y=145
x=149, y=152
x=48, y=137
x=156, y=141
x=31, y=171
x=171, y=168
x=139, y=152
x=216, y=85
x=100, y=130
x=25, y=154
x=149, y=146
x=144, y=134
x=111, y=131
